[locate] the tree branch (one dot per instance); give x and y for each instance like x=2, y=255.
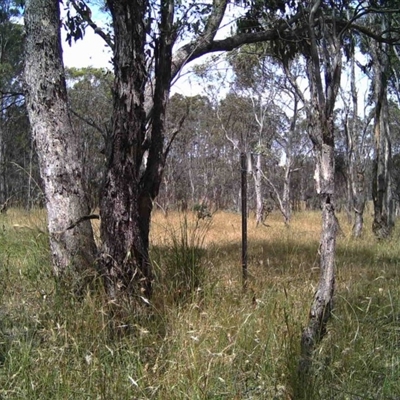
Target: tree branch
x=90, y=122
x=80, y=220
x=215, y=19
x=173, y=136
x=84, y=11
x=276, y=192
x=200, y=47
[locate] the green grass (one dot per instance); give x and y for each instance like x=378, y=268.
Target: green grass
x=215, y=342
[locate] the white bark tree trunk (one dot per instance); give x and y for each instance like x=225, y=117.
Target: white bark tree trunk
x=58, y=146
x=355, y=157
x=286, y=191
x=257, y=176
x=324, y=72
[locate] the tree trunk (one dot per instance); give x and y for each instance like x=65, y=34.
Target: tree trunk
x=321, y=130
x=29, y=202
x=257, y=176
x=137, y=158
x=286, y=192
x=58, y=146
x=355, y=157
x=382, y=224
x=289, y=162
x=323, y=299
x=381, y=184
x=358, y=190
x=358, y=221
x=3, y=195
x=124, y=257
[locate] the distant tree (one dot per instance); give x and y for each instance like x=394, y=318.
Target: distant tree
x=250, y=123
x=13, y=126
x=186, y=178
x=90, y=97
x=358, y=146
x=394, y=121
x=382, y=180
x=291, y=139
x=255, y=80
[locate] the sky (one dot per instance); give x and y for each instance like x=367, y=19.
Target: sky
x=91, y=51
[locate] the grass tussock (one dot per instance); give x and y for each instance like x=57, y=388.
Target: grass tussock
x=203, y=337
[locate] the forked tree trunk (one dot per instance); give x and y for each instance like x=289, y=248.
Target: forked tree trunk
x=58, y=146
x=359, y=220
x=288, y=163
x=359, y=200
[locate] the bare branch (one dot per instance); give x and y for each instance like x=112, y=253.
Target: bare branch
x=174, y=134
x=90, y=122
x=276, y=192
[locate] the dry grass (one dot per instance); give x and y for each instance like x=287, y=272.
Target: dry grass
x=203, y=338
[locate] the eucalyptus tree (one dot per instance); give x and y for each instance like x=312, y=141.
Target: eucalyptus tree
x=145, y=64
x=358, y=146
x=321, y=44
x=380, y=47
x=382, y=180
x=292, y=142
x=251, y=119
x=288, y=142
x=147, y=56
x=144, y=36
x=196, y=169
x=249, y=123
x=257, y=79
x=89, y=91
x=58, y=145
x=323, y=55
